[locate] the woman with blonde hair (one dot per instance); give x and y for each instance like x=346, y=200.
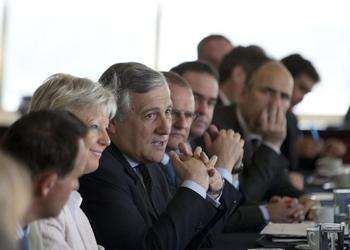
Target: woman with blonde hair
x=15, y=195
x=95, y=106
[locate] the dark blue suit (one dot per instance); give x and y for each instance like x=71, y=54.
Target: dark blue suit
x=122, y=216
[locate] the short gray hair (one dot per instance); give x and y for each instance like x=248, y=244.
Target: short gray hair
x=63, y=91
x=130, y=77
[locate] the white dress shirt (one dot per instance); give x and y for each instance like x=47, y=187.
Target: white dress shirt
x=70, y=230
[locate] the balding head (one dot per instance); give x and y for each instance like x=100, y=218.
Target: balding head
x=269, y=86
x=213, y=48
x=271, y=71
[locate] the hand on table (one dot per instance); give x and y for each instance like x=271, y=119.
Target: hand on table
x=334, y=148
x=309, y=148
x=284, y=210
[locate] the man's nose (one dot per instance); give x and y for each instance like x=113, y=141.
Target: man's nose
x=180, y=121
x=164, y=125
x=202, y=107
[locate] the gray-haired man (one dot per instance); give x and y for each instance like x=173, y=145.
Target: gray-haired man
x=128, y=200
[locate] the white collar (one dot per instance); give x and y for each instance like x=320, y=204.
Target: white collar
x=131, y=162
x=22, y=231
x=74, y=201
x=165, y=160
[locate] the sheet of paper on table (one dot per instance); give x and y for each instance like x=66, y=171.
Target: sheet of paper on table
x=284, y=229
x=322, y=196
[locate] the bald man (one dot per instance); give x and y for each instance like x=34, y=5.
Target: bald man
x=213, y=48
x=260, y=117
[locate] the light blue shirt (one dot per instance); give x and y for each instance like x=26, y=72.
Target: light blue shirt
x=228, y=177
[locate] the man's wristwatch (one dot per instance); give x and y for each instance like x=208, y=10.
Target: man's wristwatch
x=218, y=192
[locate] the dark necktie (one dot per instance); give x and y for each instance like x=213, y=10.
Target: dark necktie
x=146, y=178
x=143, y=173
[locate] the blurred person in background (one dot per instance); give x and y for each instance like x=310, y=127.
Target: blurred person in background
x=233, y=71
x=259, y=117
x=346, y=124
x=213, y=48
x=24, y=105
x=51, y=146
x=15, y=195
x=302, y=151
x=250, y=216
x=95, y=106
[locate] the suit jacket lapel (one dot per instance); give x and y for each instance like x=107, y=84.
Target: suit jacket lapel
x=139, y=193
x=248, y=148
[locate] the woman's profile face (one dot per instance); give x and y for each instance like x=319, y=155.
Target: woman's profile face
x=97, y=138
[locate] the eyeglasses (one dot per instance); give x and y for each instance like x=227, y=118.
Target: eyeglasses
x=187, y=114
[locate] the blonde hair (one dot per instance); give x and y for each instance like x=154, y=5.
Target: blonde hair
x=15, y=193
x=63, y=91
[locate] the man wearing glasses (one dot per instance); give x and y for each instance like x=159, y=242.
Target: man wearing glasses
x=204, y=83
x=226, y=144
x=182, y=117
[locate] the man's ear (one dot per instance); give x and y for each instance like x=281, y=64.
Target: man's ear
x=45, y=182
x=112, y=127
x=238, y=74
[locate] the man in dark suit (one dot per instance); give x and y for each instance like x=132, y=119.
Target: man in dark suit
x=228, y=146
x=203, y=81
x=305, y=77
x=127, y=199
x=303, y=151
x=260, y=117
